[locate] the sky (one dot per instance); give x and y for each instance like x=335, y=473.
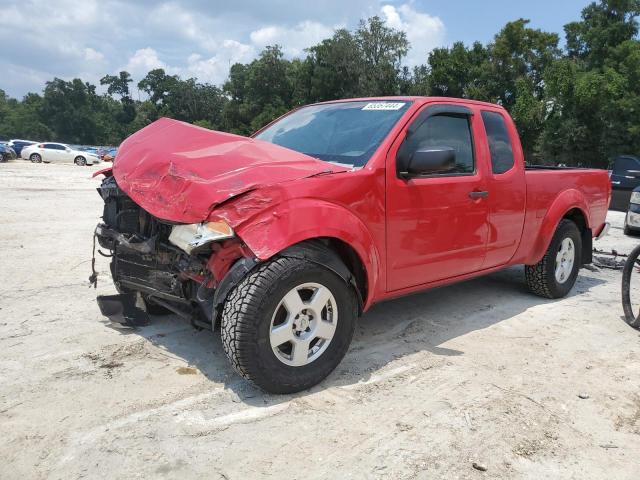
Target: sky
x=42, y=39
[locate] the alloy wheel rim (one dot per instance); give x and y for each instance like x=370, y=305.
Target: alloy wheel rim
x=565, y=258
x=303, y=324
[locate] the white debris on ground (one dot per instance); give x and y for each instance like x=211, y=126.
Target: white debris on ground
x=477, y=380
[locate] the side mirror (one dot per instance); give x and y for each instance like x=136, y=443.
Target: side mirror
x=431, y=161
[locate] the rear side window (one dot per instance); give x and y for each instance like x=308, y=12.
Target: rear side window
x=53, y=146
x=446, y=131
x=499, y=142
x=624, y=164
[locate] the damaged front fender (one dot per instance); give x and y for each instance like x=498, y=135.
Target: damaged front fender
x=268, y=223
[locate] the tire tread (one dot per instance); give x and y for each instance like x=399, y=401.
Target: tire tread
x=538, y=278
x=241, y=319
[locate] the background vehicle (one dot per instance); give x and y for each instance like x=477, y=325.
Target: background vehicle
x=632, y=219
x=58, y=153
x=6, y=153
x=18, y=145
x=625, y=176
x=287, y=237
x=108, y=154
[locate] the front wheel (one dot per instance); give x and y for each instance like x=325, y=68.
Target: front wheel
x=35, y=158
x=288, y=324
x=555, y=275
x=80, y=161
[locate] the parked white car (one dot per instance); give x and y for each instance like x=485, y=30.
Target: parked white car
x=58, y=153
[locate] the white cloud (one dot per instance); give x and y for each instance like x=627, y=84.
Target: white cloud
x=142, y=61
x=92, y=55
x=293, y=40
x=192, y=38
x=424, y=32
x=214, y=69
x=179, y=21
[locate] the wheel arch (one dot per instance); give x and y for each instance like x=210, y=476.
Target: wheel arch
x=337, y=256
x=570, y=205
x=295, y=223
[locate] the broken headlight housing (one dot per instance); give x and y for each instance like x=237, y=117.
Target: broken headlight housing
x=193, y=236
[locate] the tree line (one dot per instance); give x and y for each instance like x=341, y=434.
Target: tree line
x=575, y=103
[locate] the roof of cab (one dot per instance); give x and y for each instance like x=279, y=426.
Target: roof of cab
x=409, y=98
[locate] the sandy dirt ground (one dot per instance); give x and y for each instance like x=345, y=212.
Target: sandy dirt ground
x=479, y=372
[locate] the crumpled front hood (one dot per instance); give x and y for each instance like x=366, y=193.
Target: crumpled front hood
x=180, y=172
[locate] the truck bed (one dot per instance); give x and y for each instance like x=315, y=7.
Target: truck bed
x=547, y=185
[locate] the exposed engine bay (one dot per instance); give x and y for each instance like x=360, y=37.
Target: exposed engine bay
x=146, y=262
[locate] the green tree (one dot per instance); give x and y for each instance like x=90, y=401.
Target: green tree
x=68, y=109
x=593, y=94
x=456, y=72
x=604, y=25
x=260, y=92
x=381, y=49
x=117, y=84
x=334, y=68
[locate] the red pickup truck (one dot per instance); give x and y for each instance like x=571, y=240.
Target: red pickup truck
x=285, y=238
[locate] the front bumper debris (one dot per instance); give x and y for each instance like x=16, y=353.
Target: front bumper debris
x=123, y=310
x=145, y=265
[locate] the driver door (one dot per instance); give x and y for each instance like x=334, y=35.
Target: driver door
x=50, y=152
x=437, y=224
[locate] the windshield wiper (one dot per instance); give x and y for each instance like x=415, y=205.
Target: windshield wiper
x=324, y=172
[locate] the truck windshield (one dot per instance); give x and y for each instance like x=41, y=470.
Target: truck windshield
x=347, y=133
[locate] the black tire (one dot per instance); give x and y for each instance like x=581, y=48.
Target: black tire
x=541, y=278
x=627, y=271
x=35, y=158
x=246, y=324
x=630, y=232
x=80, y=161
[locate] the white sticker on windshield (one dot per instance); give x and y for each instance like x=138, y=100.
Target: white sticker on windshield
x=383, y=106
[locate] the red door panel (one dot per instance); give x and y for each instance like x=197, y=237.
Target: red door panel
x=435, y=230
x=507, y=188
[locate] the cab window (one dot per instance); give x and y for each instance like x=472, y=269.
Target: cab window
x=445, y=130
x=499, y=142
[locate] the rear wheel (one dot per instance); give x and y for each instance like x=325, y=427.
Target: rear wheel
x=288, y=324
x=555, y=275
x=35, y=158
x=80, y=161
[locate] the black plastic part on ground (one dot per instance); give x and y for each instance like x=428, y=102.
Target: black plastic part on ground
x=122, y=309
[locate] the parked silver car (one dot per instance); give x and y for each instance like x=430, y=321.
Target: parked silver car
x=58, y=153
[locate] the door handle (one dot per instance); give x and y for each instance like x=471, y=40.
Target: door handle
x=474, y=195
x=615, y=183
